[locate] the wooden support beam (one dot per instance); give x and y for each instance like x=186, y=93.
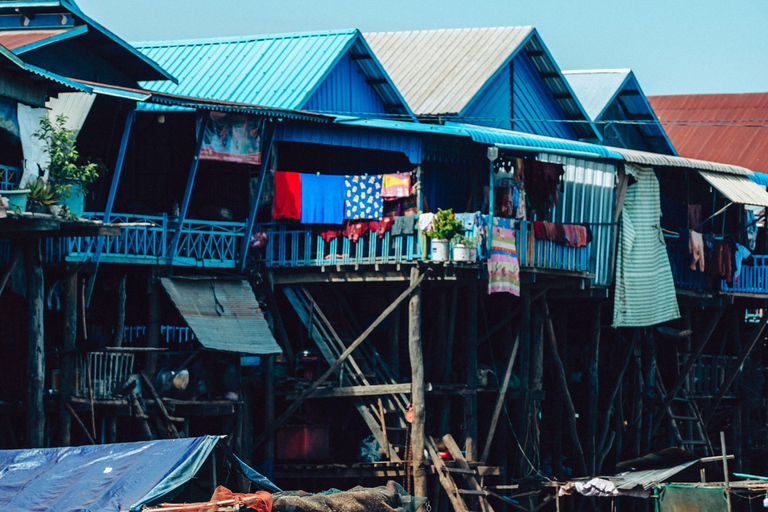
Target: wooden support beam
x=757, y=336
x=470, y=399
x=285, y=342
x=79, y=422
x=369, y=390
x=593, y=392
x=269, y=417
x=447, y=361
x=418, y=398
x=673, y=390
x=451, y=490
x=393, y=341
x=153, y=324
x=563, y=383
x=335, y=366
x=167, y=418
x=500, y=400
x=69, y=337
x=120, y=325
x=15, y=259
x=35, y=343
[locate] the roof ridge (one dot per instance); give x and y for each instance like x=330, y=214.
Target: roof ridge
x=241, y=39
x=596, y=71
x=437, y=30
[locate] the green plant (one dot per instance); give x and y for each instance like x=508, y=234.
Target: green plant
x=445, y=225
x=41, y=192
x=464, y=240
x=65, y=162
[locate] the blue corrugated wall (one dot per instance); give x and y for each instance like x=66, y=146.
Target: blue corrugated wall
x=533, y=101
x=345, y=91
x=493, y=106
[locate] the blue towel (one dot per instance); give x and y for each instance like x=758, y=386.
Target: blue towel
x=322, y=199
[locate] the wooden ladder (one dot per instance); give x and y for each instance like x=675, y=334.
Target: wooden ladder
x=686, y=422
x=469, y=476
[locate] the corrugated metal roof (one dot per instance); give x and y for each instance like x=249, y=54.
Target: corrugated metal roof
x=73, y=105
x=16, y=39
x=655, y=159
x=739, y=189
x=722, y=127
x=596, y=88
x=223, y=314
x=647, y=478
x=442, y=71
x=279, y=71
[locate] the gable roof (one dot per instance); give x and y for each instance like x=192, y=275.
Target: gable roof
x=720, y=127
x=281, y=71
x=599, y=89
x=442, y=71
x=102, y=41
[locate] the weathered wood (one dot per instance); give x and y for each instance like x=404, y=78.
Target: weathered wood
x=120, y=324
x=594, y=390
x=757, y=335
x=725, y=470
x=470, y=399
x=153, y=324
x=335, y=366
x=559, y=371
x=469, y=478
x=168, y=419
x=15, y=260
x=525, y=359
x=35, y=344
x=500, y=400
x=445, y=478
x=393, y=341
x=69, y=337
x=79, y=422
x=285, y=342
x=445, y=412
x=683, y=376
x=536, y=381
x=417, y=382
x=368, y=390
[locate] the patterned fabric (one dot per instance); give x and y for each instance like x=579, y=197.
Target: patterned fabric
x=396, y=185
x=362, y=197
x=645, y=290
x=503, y=266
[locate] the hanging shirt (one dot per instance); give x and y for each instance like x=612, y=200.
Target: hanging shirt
x=322, y=199
x=362, y=197
x=287, y=202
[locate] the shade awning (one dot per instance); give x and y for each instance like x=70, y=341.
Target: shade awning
x=738, y=189
x=223, y=314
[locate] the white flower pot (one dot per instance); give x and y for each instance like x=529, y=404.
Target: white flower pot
x=473, y=253
x=440, y=250
x=462, y=252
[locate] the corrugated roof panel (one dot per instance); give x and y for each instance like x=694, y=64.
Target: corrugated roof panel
x=721, y=127
x=655, y=159
x=739, y=189
x=15, y=39
x=440, y=71
x=596, y=88
x=223, y=314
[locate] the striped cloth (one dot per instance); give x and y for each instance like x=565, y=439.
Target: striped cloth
x=645, y=291
x=503, y=267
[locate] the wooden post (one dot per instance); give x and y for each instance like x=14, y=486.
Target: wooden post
x=417, y=387
x=393, y=340
x=725, y=471
x=269, y=417
x=445, y=413
x=153, y=324
x=525, y=359
x=68, y=358
x=120, y=324
x=36, y=354
x=593, y=394
x=500, y=400
x=536, y=382
x=470, y=399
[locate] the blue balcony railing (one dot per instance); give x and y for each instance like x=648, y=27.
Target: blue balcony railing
x=684, y=277
x=752, y=278
x=296, y=245
x=146, y=239
x=9, y=177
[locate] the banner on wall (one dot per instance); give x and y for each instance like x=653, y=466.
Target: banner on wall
x=232, y=137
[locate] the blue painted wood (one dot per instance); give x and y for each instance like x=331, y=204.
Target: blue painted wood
x=9, y=177
x=493, y=107
x=38, y=21
x=190, y=185
x=267, y=138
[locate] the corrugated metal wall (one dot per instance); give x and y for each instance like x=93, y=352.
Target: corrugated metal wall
x=588, y=197
x=533, y=101
x=345, y=91
x=494, y=105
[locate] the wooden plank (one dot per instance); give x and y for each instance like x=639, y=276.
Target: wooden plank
x=593, y=390
x=335, y=366
x=355, y=391
x=15, y=259
x=418, y=398
x=474, y=485
x=161, y=406
x=79, y=422
x=68, y=357
x=445, y=478
x=470, y=399
x=500, y=400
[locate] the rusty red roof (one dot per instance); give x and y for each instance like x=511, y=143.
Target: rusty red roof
x=13, y=39
x=727, y=128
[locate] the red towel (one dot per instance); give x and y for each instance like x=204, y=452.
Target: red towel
x=538, y=230
x=287, y=203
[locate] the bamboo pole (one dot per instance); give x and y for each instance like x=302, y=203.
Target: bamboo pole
x=417, y=386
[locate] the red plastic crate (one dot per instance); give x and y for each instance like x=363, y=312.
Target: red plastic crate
x=302, y=442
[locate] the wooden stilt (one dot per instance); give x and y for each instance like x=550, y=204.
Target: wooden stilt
x=525, y=358
x=153, y=324
x=470, y=399
x=80, y=423
x=558, y=408
x=593, y=384
x=448, y=362
x=500, y=400
x=393, y=340
x=68, y=358
x=269, y=416
x=36, y=354
x=536, y=383
x=417, y=386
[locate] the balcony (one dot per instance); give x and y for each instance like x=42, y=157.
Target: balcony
x=147, y=239
x=295, y=245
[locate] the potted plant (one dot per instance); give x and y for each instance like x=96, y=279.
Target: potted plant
x=464, y=248
x=41, y=195
x=68, y=174
x=444, y=227
x=17, y=199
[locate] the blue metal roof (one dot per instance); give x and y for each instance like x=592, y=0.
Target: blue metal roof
x=281, y=71
x=606, y=93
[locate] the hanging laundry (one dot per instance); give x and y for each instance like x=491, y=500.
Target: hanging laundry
x=403, y=225
x=521, y=212
x=694, y=217
x=380, y=227
x=425, y=221
x=542, y=182
x=328, y=233
x=396, y=185
x=740, y=254
x=468, y=221
x=362, y=197
x=322, y=199
x=287, y=202
x=696, y=249
x=503, y=265
x=751, y=228
x=583, y=235
x=353, y=230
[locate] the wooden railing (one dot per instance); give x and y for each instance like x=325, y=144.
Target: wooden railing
x=708, y=374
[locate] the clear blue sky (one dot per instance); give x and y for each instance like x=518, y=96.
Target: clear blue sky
x=674, y=46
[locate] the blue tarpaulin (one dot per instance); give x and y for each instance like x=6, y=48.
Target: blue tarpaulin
x=102, y=478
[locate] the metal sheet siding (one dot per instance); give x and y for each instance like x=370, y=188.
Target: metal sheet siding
x=534, y=108
x=655, y=159
x=588, y=197
x=74, y=105
x=739, y=189
x=494, y=106
x=345, y=91
x=738, y=137
x=223, y=314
